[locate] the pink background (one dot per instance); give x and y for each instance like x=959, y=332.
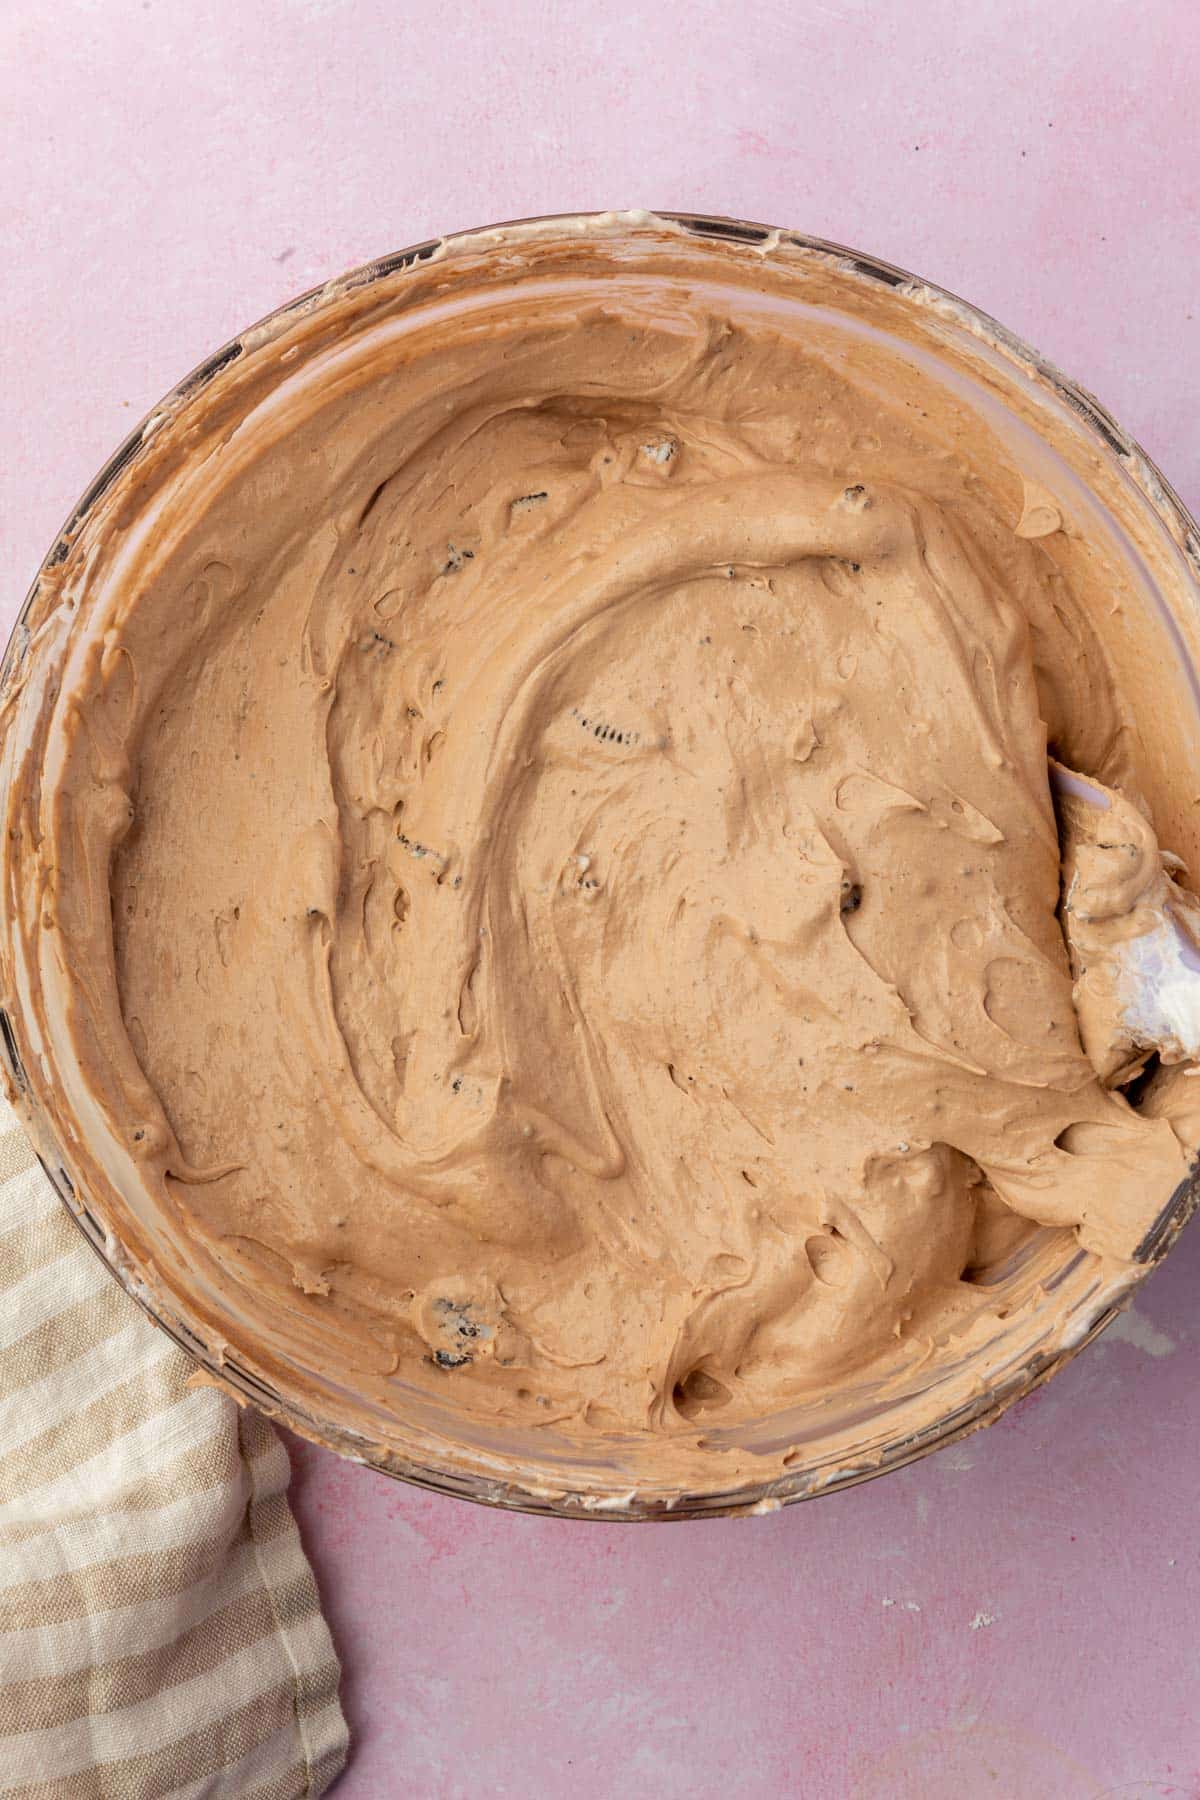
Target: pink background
x=1015, y=1617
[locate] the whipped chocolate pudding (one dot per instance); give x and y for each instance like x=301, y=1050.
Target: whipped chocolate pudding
x=548, y=889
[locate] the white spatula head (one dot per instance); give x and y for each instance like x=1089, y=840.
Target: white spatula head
x=1132, y=932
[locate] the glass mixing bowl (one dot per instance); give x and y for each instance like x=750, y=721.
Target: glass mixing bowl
x=1053, y=432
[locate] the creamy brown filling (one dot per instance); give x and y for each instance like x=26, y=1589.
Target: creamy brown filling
x=584, y=882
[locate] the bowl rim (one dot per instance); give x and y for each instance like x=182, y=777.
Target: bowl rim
x=228, y=1371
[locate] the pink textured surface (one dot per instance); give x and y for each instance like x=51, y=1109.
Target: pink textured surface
x=1016, y=1617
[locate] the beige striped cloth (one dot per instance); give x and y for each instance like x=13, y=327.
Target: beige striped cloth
x=160, y=1632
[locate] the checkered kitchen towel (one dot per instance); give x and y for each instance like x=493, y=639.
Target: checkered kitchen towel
x=160, y=1632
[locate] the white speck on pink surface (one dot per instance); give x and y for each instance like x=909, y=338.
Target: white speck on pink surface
x=957, y=1459
x=1132, y=1327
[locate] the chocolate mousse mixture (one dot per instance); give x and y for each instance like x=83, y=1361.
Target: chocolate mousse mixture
x=551, y=870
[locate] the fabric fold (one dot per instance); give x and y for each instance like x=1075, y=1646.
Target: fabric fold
x=161, y=1636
